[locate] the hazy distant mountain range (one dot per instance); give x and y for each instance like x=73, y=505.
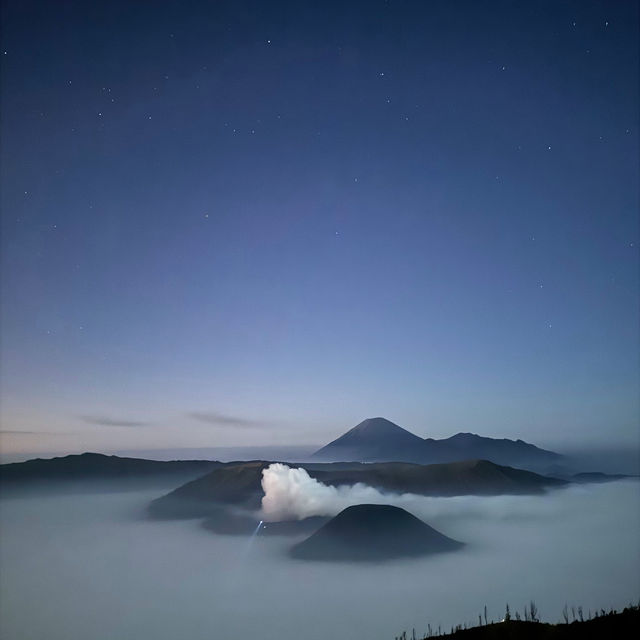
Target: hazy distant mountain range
x=89, y=467
x=380, y=440
x=376, y=452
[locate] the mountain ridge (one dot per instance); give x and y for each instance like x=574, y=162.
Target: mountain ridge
x=239, y=484
x=380, y=440
x=86, y=467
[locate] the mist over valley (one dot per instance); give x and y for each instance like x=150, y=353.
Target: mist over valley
x=98, y=568
x=110, y=546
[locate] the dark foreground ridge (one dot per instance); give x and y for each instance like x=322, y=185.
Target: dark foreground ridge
x=373, y=532
x=612, y=625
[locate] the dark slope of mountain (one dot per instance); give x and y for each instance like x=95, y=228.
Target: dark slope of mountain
x=470, y=477
x=96, y=467
x=233, y=483
x=379, y=440
x=239, y=484
x=374, y=439
x=605, y=626
x=373, y=532
x=515, y=453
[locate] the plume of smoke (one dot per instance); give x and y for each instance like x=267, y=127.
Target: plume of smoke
x=291, y=494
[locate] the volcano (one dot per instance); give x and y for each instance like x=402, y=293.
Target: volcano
x=370, y=533
x=380, y=440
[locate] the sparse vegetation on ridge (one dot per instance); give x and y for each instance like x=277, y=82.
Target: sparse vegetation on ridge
x=600, y=624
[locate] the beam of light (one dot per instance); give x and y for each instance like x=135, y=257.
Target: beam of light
x=253, y=535
x=239, y=574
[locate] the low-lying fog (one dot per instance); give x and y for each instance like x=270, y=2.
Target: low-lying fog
x=91, y=567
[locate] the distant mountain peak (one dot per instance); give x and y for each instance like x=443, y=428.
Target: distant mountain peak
x=464, y=435
x=378, y=425
x=379, y=440
x=370, y=440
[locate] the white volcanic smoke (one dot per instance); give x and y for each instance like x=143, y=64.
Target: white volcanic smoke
x=291, y=494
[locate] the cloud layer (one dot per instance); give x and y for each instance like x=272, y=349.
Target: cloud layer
x=107, y=421
x=223, y=420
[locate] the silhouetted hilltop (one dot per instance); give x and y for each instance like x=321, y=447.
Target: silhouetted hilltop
x=86, y=467
x=239, y=484
x=372, y=532
x=613, y=625
x=379, y=440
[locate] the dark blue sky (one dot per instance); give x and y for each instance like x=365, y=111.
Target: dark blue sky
x=233, y=223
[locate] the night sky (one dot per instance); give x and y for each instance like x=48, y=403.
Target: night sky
x=234, y=223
